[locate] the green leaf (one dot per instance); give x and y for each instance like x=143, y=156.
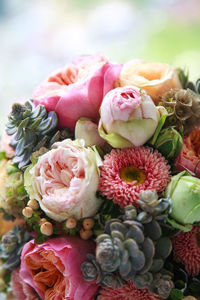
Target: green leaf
x=185, y=228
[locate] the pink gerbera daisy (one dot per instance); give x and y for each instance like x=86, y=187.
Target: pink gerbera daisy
x=186, y=248
x=127, y=292
x=127, y=172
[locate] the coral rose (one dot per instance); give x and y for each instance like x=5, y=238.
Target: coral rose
x=65, y=180
x=155, y=78
x=53, y=270
x=77, y=90
x=189, y=157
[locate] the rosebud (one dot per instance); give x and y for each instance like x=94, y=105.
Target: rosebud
x=128, y=117
x=184, y=191
x=87, y=130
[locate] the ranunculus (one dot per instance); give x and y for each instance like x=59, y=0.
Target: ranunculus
x=53, y=269
x=155, y=78
x=22, y=290
x=5, y=145
x=128, y=117
x=65, y=180
x=77, y=90
x=189, y=157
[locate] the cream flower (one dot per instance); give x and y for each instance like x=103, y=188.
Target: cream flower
x=65, y=180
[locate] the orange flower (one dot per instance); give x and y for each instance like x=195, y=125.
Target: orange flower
x=154, y=78
x=53, y=270
x=189, y=157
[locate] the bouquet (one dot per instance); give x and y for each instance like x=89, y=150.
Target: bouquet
x=100, y=185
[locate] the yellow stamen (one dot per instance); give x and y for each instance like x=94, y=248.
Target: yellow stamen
x=131, y=173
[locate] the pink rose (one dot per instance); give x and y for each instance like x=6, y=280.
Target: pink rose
x=22, y=290
x=5, y=145
x=53, y=268
x=78, y=89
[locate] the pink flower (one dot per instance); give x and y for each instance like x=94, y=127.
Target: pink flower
x=53, y=270
x=186, y=248
x=78, y=89
x=128, y=117
x=22, y=290
x=127, y=172
x=5, y=145
x=127, y=292
x=65, y=180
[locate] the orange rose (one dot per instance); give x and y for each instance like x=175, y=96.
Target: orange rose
x=155, y=78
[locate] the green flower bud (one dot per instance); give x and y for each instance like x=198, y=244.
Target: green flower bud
x=184, y=191
x=169, y=142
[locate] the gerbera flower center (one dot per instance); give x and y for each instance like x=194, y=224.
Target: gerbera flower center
x=131, y=173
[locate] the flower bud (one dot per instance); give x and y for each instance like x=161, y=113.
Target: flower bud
x=169, y=142
x=184, y=191
x=71, y=223
x=87, y=130
x=128, y=117
x=27, y=212
x=46, y=228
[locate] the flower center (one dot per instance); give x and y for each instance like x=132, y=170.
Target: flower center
x=131, y=173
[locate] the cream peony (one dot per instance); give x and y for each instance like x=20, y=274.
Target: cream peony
x=154, y=78
x=64, y=181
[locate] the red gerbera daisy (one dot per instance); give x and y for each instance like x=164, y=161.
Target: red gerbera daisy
x=127, y=292
x=127, y=172
x=186, y=248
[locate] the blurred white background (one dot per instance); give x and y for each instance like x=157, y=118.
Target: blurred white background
x=38, y=36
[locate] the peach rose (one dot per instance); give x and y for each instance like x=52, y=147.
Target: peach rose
x=189, y=157
x=53, y=268
x=155, y=78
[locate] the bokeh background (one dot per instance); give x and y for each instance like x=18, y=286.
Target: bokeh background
x=38, y=36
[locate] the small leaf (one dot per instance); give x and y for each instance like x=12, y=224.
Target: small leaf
x=176, y=294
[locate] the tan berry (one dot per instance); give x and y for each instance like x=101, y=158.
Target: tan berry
x=71, y=223
x=43, y=220
x=33, y=204
x=85, y=234
x=46, y=228
x=88, y=223
x=27, y=212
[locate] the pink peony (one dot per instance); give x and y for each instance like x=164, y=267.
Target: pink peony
x=53, y=270
x=78, y=89
x=22, y=290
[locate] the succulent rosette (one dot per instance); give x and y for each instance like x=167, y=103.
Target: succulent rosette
x=101, y=172
x=65, y=180
x=128, y=117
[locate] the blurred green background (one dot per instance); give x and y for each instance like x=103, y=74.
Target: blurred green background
x=38, y=36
